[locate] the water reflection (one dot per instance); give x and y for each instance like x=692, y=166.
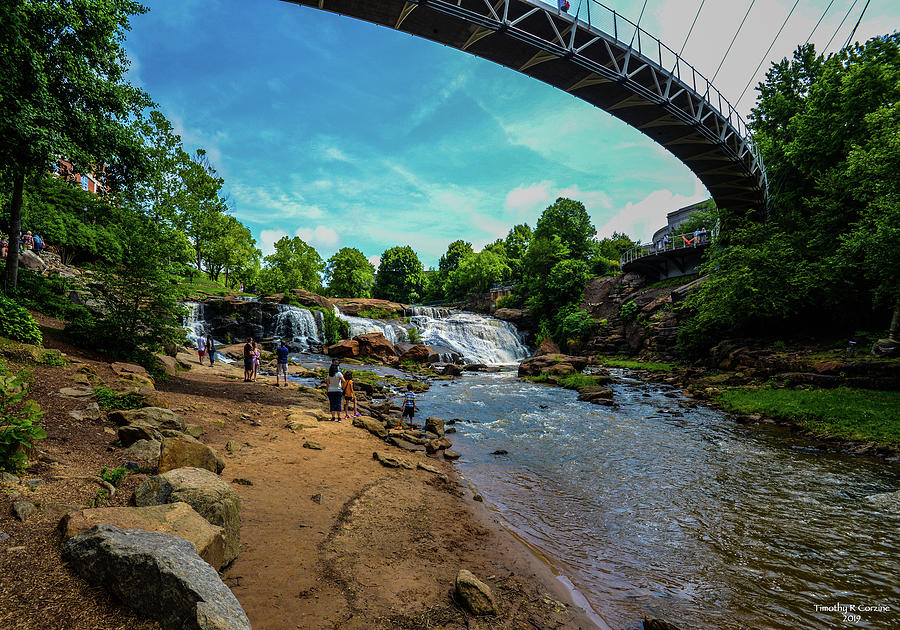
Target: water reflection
x=691, y=518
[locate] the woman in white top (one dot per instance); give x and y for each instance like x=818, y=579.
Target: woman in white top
x=335, y=391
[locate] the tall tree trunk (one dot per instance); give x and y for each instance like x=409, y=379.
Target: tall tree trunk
x=15, y=226
x=894, y=332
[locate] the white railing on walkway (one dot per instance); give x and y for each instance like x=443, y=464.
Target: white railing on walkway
x=700, y=238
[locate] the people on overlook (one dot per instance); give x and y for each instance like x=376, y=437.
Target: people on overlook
x=28, y=241
x=38, y=244
x=282, y=355
x=696, y=237
x=563, y=5
x=349, y=396
x=248, y=359
x=409, y=406
x=201, y=347
x=211, y=350
x=256, y=354
x=335, y=391
x=703, y=236
x=665, y=241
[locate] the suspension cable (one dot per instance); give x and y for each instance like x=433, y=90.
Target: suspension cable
x=691, y=30
x=638, y=25
x=752, y=76
x=846, y=15
x=819, y=22
x=853, y=32
x=752, y=2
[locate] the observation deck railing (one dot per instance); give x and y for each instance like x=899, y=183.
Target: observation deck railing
x=688, y=240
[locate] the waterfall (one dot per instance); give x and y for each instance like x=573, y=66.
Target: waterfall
x=194, y=323
x=434, y=312
x=300, y=327
x=362, y=326
x=477, y=338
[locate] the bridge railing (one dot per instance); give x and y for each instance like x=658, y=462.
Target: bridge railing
x=596, y=15
x=678, y=241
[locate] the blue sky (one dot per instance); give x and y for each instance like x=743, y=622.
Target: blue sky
x=350, y=134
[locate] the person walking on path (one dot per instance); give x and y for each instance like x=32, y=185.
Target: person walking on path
x=201, y=347
x=211, y=350
x=28, y=241
x=349, y=396
x=409, y=407
x=335, y=391
x=248, y=359
x=282, y=365
x=255, y=361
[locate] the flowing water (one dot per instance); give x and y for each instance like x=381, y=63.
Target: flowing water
x=651, y=509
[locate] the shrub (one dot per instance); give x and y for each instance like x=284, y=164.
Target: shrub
x=19, y=426
x=111, y=399
x=628, y=311
x=17, y=323
x=414, y=336
x=333, y=327
x=513, y=300
x=377, y=313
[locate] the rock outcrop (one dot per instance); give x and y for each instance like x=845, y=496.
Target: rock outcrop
x=179, y=519
x=552, y=365
x=420, y=354
x=204, y=491
x=183, y=451
x=158, y=575
x=378, y=346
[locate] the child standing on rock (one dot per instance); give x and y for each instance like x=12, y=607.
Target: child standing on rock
x=349, y=396
x=409, y=406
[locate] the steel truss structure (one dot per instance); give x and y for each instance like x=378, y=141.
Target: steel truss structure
x=597, y=55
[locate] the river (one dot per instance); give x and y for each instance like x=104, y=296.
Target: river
x=654, y=509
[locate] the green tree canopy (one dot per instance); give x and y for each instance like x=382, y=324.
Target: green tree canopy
x=400, y=276
x=476, y=273
x=349, y=274
x=570, y=221
x=294, y=265
x=456, y=251
x=63, y=93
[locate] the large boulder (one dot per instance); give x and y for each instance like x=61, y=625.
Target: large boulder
x=371, y=425
x=168, y=364
x=474, y=595
x=378, y=346
x=179, y=519
x=214, y=500
x=434, y=425
x=31, y=261
x=183, y=451
x=548, y=346
x=544, y=364
x=420, y=354
x=157, y=417
x=307, y=298
x=158, y=575
x=360, y=307
x=344, y=348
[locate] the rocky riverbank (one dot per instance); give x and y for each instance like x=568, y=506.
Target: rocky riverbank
x=330, y=536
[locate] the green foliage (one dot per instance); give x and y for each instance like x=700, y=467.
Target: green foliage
x=17, y=323
x=629, y=364
x=333, y=327
x=294, y=265
x=456, y=252
x=855, y=414
x=572, y=381
x=374, y=312
x=628, y=312
x=413, y=335
x=476, y=273
x=612, y=247
x=513, y=300
x=19, y=426
x=349, y=274
x=400, y=276
x=111, y=399
x=706, y=216
x=570, y=221
x=573, y=325
x=138, y=310
x=516, y=244
x=114, y=476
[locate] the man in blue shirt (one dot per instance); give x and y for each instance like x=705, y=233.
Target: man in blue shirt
x=281, y=368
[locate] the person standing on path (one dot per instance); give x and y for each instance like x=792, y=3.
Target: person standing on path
x=335, y=391
x=248, y=359
x=255, y=362
x=349, y=396
x=201, y=347
x=281, y=367
x=211, y=350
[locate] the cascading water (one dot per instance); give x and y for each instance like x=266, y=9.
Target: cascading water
x=478, y=339
x=434, y=312
x=195, y=325
x=300, y=327
x=362, y=326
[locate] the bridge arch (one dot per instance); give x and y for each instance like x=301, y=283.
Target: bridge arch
x=603, y=59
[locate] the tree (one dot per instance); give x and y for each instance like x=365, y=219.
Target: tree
x=570, y=221
x=63, y=94
x=294, y=265
x=349, y=274
x=456, y=251
x=199, y=206
x=516, y=244
x=400, y=276
x=476, y=273
x=233, y=251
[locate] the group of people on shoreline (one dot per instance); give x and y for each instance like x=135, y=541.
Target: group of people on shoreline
x=341, y=394
x=27, y=242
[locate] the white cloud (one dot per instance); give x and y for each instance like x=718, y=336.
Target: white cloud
x=641, y=219
x=320, y=237
x=335, y=154
x=376, y=261
x=267, y=240
x=526, y=198
x=272, y=203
